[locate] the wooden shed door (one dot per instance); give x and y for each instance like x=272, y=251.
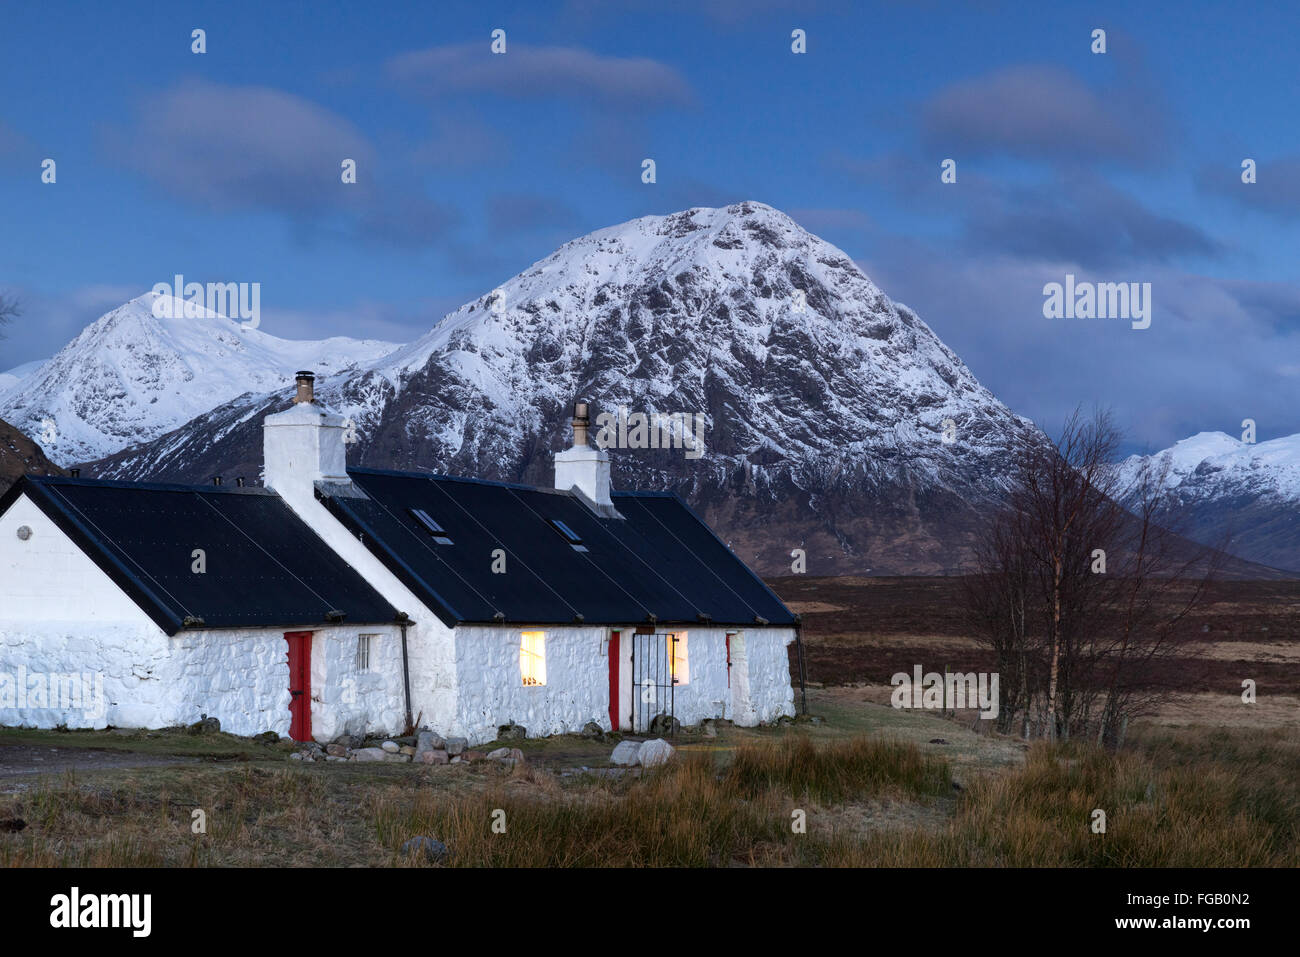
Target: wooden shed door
x=299, y=684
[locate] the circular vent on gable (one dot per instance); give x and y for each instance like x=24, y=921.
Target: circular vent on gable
x=24, y=532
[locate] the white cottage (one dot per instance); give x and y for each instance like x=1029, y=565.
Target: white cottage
x=363, y=600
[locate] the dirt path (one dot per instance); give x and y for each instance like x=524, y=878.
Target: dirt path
x=19, y=761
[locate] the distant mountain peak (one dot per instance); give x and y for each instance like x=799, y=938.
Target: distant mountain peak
x=136, y=373
x=835, y=419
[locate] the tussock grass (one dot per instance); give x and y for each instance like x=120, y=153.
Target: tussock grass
x=685, y=814
x=1200, y=808
x=1178, y=799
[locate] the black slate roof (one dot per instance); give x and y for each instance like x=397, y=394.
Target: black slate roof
x=659, y=563
x=265, y=567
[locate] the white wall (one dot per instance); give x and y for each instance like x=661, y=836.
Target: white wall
x=577, y=679
x=492, y=692
x=49, y=577
x=347, y=700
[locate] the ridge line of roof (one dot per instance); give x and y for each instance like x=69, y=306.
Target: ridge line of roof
x=149, y=486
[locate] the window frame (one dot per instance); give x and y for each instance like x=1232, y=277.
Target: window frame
x=532, y=658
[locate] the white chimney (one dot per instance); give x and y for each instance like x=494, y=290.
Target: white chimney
x=304, y=444
x=583, y=468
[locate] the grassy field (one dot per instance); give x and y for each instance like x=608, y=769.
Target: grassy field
x=871, y=785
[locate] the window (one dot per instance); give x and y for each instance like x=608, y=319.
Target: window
x=569, y=535
x=433, y=528
x=363, y=653
x=532, y=657
x=680, y=666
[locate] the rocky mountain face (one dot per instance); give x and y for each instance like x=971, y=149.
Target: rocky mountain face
x=1224, y=490
x=20, y=456
x=141, y=371
x=835, y=421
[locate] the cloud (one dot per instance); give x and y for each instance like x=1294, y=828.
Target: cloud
x=242, y=147
x=1276, y=190
x=1217, y=350
x=535, y=72
x=1083, y=219
x=1044, y=113
x=237, y=148
x=1067, y=214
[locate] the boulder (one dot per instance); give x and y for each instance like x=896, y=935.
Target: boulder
x=390, y=746
x=336, y=750
x=429, y=741
x=473, y=756
x=367, y=754
x=266, y=737
x=432, y=851
x=204, y=725
x=456, y=745
x=709, y=728
x=665, y=724
x=653, y=753
x=432, y=757
x=511, y=732
x=625, y=754
x=407, y=750
x=593, y=732
x=510, y=757
x=397, y=758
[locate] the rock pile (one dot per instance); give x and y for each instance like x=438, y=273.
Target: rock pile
x=426, y=747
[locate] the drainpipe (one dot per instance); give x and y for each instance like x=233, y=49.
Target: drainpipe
x=403, y=619
x=803, y=675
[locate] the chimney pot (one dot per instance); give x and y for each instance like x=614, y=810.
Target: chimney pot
x=306, y=388
x=581, y=422
x=75, y=473
x=216, y=480
x=239, y=482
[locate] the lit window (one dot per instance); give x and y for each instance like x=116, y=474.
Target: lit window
x=532, y=657
x=681, y=667
x=363, y=652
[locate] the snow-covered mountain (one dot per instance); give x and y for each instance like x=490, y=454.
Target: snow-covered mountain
x=132, y=376
x=1223, y=488
x=837, y=422
x=11, y=377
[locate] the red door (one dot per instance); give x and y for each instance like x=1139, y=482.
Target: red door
x=299, y=684
x=613, y=680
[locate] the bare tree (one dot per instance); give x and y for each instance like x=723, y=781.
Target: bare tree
x=1078, y=597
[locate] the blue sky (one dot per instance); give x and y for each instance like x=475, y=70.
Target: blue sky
x=1116, y=167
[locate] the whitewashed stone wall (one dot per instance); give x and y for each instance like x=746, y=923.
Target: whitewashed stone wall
x=345, y=699
x=492, y=692
x=771, y=686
